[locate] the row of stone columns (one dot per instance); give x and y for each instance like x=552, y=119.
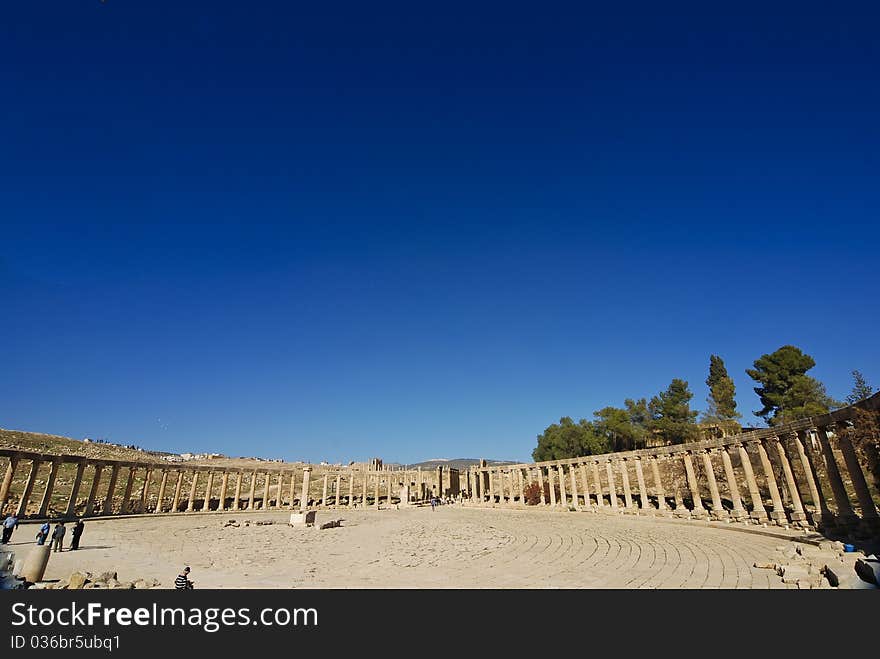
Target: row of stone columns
x=141, y=502
x=568, y=480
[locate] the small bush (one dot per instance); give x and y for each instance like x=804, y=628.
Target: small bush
x=532, y=494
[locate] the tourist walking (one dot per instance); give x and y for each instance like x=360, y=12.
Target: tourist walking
x=43, y=533
x=182, y=581
x=76, y=533
x=58, y=537
x=9, y=525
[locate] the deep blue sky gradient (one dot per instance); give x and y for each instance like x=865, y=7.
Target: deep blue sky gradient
x=416, y=231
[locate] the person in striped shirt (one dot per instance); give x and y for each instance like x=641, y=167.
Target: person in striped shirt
x=182, y=582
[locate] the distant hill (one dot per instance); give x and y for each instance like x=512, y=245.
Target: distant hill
x=455, y=463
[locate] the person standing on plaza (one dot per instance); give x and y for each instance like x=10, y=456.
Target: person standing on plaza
x=76, y=533
x=43, y=533
x=58, y=537
x=9, y=525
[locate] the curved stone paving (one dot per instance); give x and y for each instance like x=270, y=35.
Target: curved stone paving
x=451, y=547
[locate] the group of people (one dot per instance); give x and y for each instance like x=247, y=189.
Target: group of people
x=57, y=534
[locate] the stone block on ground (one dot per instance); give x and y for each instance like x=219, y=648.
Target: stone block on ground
x=868, y=569
x=302, y=519
x=78, y=580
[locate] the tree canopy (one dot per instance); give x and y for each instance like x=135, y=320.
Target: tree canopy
x=624, y=429
x=671, y=413
x=568, y=439
x=786, y=392
x=861, y=389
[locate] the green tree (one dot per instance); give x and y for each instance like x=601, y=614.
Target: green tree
x=786, y=392
x=861, y=389
x=671, y=414
x=568, y=439
x=624, y=429
x=721, y=410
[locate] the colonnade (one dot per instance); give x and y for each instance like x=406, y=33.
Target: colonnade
x=805, y=474
x=115, y=494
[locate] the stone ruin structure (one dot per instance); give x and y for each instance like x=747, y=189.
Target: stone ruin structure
x=805, y=474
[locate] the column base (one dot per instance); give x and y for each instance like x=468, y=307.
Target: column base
x=738, y=514
x=798, y=517
x=759, y=516
x=699, y=513
x=778, y=516
x=720, y=515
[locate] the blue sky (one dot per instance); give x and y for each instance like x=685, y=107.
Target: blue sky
x=415, y=232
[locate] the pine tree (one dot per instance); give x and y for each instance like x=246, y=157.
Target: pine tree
x=787, y=393
x=861, y=389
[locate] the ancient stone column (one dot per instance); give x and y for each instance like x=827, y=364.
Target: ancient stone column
x=718, y=511
x=324, y=491
x=224, y=483
x=206, y=504
x=252, y=504
x=47, y=492
x=162, y=486
x=74, y=491
x=846, y=517
x=597, y=484
x=778, y=512
x=292, y=493
x=236, y=498
x=644, y=504
x=798, y=516
x=339, y=490
x=93, y=490
x=738, y=511
x=191, y=503
x=376, y=491
x=491, y=487
x=574, y=485
x=624, y=475
x=869, y=510
x=816, y=495
x=658, y=485
x=698, y=510
x=364, y=493
x=561, y=473
x=28, y=488
x=145, y=489
x=175, y=502
x=7, y=480
x=351, y=488
x=550, y=473
x=108, y=500
x=759, y=513
x=268, y=476
x=520, y=488
x=125, y=506
x=585, y=481
x=280, y=489
x=304, y=498
x=611, y=490
x=390, y=486
x=541, y=485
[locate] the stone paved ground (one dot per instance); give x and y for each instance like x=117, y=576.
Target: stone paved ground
x=417, y=548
